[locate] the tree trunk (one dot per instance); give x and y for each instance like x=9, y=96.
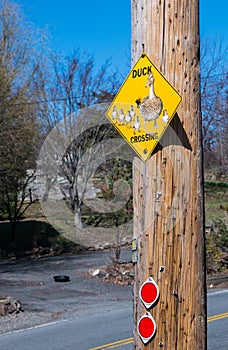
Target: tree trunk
x=48, y=185
x=13, y=231
x=78, y=218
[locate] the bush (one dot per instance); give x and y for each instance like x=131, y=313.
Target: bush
x=217, y=247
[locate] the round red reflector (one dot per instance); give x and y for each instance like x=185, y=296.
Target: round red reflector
x=149, y=292
x=146, y=327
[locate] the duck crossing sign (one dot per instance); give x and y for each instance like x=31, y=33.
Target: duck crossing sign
x=144, y=107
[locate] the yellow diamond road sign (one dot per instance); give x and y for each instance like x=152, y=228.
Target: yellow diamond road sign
x=144, y=106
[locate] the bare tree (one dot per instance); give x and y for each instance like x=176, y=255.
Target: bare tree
x=81, y=159
x=214, y=94
x=75, y=86
x=75, y=83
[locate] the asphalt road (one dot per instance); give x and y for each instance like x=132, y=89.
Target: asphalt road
x=31, y=281
x=84, y=313
x=74, y=334
x=217, y=304
x=113, y=327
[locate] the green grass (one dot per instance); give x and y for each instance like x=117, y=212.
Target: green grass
x=216, y=201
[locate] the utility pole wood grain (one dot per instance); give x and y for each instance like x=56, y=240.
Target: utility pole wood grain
x=168, y=188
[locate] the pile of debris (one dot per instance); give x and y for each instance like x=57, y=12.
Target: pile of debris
x=116, y=272
x=9, y=305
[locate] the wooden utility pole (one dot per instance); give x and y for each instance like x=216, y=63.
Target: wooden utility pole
x=168, y=188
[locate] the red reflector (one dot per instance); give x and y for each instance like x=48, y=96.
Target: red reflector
x=149, y=292
x=146, y=327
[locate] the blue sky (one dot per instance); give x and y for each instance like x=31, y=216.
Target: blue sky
x=103, y=27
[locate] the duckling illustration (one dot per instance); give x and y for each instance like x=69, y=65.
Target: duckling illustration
x=151, y=106
x=121, y=117
x=136, y=125
x=165, y=117
x=128, y=118
x=114, y=114
x=132, y=112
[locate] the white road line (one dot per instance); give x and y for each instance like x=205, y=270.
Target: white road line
x=34, y=327
x=218, y=292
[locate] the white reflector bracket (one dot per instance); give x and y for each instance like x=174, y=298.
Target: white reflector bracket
x=149, y=293
x=146, y=327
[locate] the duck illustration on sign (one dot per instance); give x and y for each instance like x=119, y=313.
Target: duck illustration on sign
x=144, y=106
x=151, y=106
